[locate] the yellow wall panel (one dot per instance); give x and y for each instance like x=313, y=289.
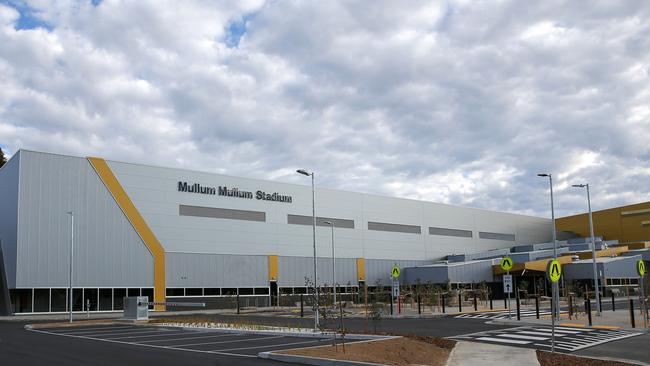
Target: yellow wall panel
x=361, y=269
x=273, y=268
x=612, y=224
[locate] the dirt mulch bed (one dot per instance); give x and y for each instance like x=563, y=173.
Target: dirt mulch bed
x=558, y=359
x=396, y=351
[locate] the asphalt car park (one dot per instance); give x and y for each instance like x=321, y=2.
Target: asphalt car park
x=162, y=346
x=215, y=342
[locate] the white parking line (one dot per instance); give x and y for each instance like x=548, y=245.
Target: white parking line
x=127, y=334
x=143, y=345
x=182, y=339
x=146, y=335
x=267, y=346
x=83, y=330
x=232, y=341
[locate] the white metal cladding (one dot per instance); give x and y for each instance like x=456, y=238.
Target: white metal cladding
x=154, y=191
x=624, y=267
x=216, y=270
x=108, y=252
x=379, y=270
x=464, y=272
x=9, y=174
x=293, y=270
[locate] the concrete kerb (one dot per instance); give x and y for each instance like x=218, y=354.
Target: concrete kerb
x=363, y=337
x=318, y=361
x=305, y=360
x=632, y=362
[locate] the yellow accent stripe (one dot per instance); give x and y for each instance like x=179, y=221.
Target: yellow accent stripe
x=138, y=223
x=607, y=327
x=361, y=269
x=273, y=268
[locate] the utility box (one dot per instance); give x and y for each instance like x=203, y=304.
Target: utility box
x=136, y=308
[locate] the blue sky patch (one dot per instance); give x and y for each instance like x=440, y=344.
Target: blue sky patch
x=235, y=30
x=28, y=17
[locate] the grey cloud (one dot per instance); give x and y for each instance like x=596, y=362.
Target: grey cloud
x=457, y=102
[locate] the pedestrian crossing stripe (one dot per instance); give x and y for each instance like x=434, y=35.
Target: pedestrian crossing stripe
x=501, y=314
x=567, y=339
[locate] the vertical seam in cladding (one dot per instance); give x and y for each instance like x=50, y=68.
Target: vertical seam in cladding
x=20, y=158
x=139, y=225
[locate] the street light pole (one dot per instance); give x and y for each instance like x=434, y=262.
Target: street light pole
x=313, y=213
x=331, y=224
x=593, y=248
x=556, y=293
x=71, y=213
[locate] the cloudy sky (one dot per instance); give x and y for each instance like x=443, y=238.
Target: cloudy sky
x=459, y=102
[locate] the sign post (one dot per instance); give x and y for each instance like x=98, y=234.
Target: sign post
x=394, y=274
x=641, y=270
x=553, y=273
x=506, y=265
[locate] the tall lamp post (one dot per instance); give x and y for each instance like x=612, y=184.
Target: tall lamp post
x=556, y=291
x=313, y=213
x=331, y=224
x=593, y=247
x=71, y=213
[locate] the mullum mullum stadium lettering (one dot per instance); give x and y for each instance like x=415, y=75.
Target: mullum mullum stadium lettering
x=232, y=192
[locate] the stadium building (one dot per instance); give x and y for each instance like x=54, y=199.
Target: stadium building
x=181, y=235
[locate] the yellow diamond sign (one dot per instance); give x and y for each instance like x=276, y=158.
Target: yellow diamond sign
x=394, y=272
x=554, y=270
x=640, y=268
x=506, y=263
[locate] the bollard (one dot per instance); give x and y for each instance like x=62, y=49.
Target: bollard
x=588, y=310
x=460, y=303
x=570, y=306
x=632, y=312
x=518, y=308
x=442, y=301
x=419, y=307
x=237, y=303
x=505, y=303
x=490, y=295
x=302, y=308
x=600, y=304
x=88, y=308
x=475, y=303
x=537, y=306
x=391, y=304
x=613, y=302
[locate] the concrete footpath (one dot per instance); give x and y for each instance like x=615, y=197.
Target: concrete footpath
x=472, y=354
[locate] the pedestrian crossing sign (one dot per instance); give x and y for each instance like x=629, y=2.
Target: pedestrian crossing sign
x=640, y=268
x=506, y=263
x=394, y=272
x=554, y=270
